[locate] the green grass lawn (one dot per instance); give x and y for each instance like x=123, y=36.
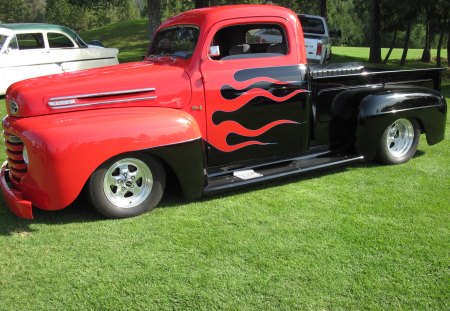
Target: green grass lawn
x=365, y=236
x=131, y=38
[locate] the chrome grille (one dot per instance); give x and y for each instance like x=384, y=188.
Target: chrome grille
x=14, y=153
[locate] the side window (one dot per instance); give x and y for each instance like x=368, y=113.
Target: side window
x=13, y=45
x=59, y=40
x=250, y=41
x=28, y=41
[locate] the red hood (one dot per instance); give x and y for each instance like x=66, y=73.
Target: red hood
x=132, y=84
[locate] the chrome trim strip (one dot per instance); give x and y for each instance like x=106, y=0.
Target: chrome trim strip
x=69, y=61
x=409, y=81
x=344, y=88
x=107, y=102
x=409, y=109
x=103, y=94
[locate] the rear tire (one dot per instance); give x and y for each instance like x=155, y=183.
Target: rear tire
x=127, y=185
x=399, y=141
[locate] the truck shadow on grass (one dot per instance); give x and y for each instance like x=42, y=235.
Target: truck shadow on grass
x=82, y=212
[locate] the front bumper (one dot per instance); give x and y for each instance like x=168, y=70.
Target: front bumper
x=18, y=206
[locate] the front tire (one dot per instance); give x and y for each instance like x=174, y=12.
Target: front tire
x=399, y=141
x=127, y=185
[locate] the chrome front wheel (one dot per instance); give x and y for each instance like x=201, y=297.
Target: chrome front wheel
x=127, y=185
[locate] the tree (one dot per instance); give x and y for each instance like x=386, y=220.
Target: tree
x=154, y=16
x=409, y=12
x=426, y=54
x=448, y=45
x=201, y=3
x=16, y=11
x=406, y=43
x=323, y=8
x=441, y=21
x=375, y=29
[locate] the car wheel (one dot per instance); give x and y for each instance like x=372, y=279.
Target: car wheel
x=127, y=185
x=399, y=141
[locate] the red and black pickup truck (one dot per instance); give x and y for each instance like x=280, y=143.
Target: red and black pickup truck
x=213, y=105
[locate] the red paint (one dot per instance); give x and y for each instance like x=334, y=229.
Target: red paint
x=64, y=149
x=13, y=198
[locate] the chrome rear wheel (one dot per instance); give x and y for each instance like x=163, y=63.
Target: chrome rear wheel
x=399, y=141
x=400, y=137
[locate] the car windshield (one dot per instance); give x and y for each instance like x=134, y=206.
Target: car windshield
x=179, y=41
x=312, y=25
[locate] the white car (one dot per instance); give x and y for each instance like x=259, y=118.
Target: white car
x=317, y=38
x=32, y=50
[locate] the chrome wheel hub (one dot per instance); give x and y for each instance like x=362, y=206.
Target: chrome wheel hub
x=400, y=138
x=128, y=182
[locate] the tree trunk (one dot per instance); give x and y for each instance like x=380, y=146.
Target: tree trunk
x=391, y=47
x=323, y=8
x=426, y=55
x=438, y=58
x=154, y=16
x=448, y=48
x=406, y=44
x=375, y=29
x=201, y=4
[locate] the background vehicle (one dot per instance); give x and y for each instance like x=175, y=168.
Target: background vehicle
x=32, y=50
x=317, y=38
x=214, y=106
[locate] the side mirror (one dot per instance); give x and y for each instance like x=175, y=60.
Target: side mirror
x=214, y=51
x=8, y=50
x=335, y=33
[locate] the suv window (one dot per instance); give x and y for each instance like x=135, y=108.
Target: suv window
x=28, y=41
x=250, y=41
x=59, y=40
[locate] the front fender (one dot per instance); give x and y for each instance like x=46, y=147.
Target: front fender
x=64, y=149
x=378, y=110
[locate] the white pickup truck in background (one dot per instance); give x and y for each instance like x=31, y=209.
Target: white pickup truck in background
x=317, y=38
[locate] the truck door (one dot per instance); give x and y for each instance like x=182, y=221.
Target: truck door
x=257, y=105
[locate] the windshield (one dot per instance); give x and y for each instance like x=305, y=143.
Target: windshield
x=312, y=25
x=177, y=41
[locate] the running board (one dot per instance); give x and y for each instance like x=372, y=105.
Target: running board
x=242, y=177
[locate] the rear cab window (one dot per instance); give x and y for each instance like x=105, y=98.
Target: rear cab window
x=250, y=41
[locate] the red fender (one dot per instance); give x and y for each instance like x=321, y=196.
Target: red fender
x=65, y=149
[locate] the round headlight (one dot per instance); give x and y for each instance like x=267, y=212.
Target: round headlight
x=25, y=155
x=13, y=107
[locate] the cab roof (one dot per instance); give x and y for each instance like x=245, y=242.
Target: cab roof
x=210, y=15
